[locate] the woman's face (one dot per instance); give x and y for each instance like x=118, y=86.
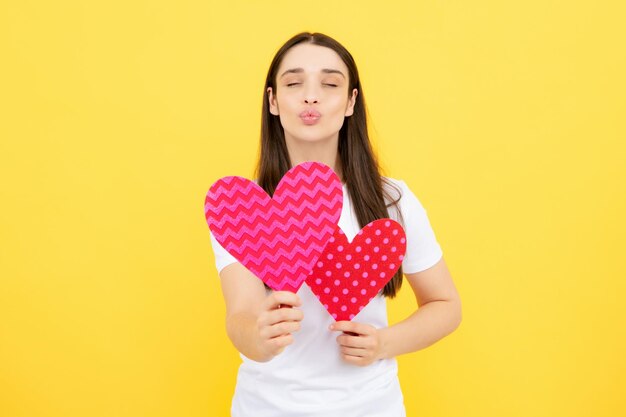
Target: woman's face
x=311, y=96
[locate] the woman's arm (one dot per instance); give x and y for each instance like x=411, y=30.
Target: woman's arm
x=438, y=314
x=254, y=323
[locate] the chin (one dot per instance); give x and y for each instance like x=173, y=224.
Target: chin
x=312, y=134
x=312, y=138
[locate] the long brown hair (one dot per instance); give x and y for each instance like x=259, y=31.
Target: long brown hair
x=360, y=168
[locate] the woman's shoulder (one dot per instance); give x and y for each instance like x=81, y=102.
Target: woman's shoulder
x=397, y=190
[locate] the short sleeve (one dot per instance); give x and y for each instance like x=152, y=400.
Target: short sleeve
x=422, y=248
x=222, y=257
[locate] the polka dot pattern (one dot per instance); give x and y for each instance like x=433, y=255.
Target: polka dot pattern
x=358, y=270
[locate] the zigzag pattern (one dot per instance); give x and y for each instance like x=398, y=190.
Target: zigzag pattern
x=234, y=216
x=278, y=239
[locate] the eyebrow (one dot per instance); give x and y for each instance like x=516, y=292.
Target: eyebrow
x=324, y=70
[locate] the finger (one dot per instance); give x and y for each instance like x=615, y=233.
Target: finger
x=360, y=353
x=284, y=314
x=359, y=342
x=351, y=327
x=283, y=328
x=342, y=326
x=282, y=299
x=281, y=342
x=353, y=360
x=269, y=318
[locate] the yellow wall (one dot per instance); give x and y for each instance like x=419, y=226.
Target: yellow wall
x=505, y=118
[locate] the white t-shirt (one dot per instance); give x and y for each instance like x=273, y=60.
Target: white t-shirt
x=309, y=378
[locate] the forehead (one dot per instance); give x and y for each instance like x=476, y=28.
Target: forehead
x=312, y=58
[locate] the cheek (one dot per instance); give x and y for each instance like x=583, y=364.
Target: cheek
x=337, y=110
x=288, y=104
x=337, y=104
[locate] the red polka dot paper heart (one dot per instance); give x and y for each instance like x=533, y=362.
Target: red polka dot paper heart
x=348, y=275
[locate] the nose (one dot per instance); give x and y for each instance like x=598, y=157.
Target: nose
x=311, y=94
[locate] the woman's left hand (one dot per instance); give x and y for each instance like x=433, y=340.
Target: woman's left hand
x=360, y=343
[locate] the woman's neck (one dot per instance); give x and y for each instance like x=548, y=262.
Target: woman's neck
x=324, y=152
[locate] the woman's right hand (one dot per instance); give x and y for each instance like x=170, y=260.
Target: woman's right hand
x=277, y=321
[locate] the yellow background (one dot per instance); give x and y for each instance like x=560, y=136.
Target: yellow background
x=505, y=118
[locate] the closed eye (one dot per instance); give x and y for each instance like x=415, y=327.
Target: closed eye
x=331, y=85
x=291, y=84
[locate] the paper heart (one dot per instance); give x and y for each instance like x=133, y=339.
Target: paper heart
x=278, y=239
x=349, y=274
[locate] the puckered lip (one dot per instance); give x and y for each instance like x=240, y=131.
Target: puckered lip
x=310, y=113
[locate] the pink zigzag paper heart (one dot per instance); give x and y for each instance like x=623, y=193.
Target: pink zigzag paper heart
x=278, y=239
x=349, y=275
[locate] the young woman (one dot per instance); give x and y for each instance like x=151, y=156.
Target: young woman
x=297, y=361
